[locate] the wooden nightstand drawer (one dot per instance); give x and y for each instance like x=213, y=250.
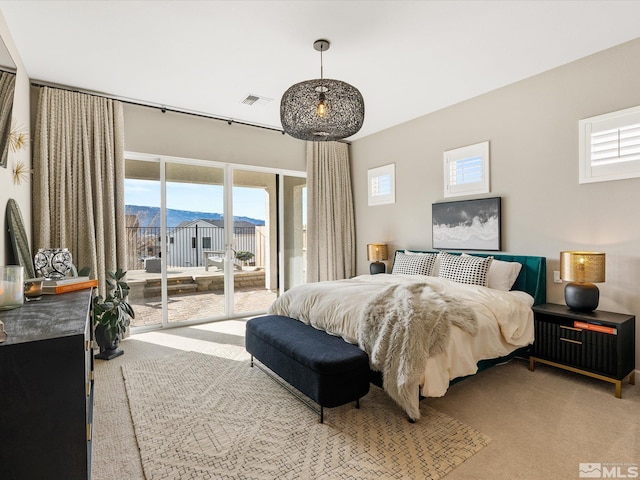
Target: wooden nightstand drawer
x=584, y=349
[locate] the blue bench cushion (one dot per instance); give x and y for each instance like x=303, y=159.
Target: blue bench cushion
x=324, y=367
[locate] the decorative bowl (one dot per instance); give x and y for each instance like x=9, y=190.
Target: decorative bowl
x=53, y=263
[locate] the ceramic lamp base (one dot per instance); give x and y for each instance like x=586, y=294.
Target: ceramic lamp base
x=581, y=297
x=377, y=267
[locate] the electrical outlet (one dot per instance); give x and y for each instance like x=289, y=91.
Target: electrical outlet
x=556, y=277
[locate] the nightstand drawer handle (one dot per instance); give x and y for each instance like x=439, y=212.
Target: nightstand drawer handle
x=571, y=341
x=571, y=328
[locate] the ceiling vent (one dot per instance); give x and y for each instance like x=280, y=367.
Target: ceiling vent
x=252, y=99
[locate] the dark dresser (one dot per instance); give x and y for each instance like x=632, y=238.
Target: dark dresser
x=46, y=389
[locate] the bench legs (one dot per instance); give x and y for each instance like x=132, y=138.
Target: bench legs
x=322, y=410
x=287, y=387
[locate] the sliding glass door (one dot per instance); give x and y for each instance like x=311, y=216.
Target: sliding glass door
x=254, y=242
x=210, y=241
x=144, y=240
x=198, y=242
x=293, y=215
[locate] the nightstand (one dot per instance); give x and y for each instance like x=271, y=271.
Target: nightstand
x=598, y=344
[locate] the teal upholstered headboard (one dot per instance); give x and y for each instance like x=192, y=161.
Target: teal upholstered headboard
x=531, y=279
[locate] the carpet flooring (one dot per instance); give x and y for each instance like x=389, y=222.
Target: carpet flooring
x=542, y=424
x=204, y=416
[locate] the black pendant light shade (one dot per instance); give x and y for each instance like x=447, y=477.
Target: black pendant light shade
x=322, y=109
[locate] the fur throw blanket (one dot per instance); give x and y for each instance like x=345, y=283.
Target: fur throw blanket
x=403, y=326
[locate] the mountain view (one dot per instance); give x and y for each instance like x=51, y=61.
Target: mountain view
x=150, y=216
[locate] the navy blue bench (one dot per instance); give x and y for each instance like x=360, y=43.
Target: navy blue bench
x=323, y=367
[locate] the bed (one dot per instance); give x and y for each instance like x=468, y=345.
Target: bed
x=426, y=323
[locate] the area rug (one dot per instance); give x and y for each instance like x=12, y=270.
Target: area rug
x=205, y=417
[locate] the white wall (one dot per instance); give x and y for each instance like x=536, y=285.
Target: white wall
x=148, y=130
x=21, y=193
x=532, y=126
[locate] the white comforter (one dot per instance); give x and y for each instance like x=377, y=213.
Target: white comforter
x=505, y=320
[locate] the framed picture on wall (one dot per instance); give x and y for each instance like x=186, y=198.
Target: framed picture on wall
x=382, y=184
x=467, y=225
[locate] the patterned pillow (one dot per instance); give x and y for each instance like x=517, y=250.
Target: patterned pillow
x=467, y=269
x=502, y=275
x=404, y=264
x=436, y=265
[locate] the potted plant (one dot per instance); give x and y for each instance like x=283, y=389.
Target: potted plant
x=112, y=315
x=244, y=256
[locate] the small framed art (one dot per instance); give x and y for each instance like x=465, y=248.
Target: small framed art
x=382, y=184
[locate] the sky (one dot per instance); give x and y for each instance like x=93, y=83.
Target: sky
x=247, y=202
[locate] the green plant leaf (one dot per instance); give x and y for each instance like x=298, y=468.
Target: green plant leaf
x=113, y=312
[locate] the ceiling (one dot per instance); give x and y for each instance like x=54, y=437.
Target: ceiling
x=408, y=58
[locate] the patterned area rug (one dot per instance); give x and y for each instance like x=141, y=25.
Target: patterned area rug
x=206, y=417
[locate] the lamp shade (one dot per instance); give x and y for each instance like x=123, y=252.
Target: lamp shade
x=342, y=118
x=582, y=267
x=322, y=109
x=376, y=252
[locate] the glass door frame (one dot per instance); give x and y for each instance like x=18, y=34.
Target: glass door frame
x=282, y=270
x=228, y=240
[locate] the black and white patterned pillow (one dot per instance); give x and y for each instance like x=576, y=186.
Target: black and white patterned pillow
x=404, y=264
x=467, y=269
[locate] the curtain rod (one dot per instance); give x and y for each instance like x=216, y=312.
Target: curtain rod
x=162, y=108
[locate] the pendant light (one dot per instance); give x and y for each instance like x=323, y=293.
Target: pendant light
x=322, y=109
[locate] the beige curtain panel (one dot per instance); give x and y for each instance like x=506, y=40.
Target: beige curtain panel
x=330, y=229
x=7, y=87
x=79, y=179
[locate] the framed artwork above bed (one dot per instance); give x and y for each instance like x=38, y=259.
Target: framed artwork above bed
x=467, y=225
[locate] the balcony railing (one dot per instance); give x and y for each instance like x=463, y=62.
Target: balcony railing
x=185, y=246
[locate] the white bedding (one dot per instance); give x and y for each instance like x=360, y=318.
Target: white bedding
x=505, y=320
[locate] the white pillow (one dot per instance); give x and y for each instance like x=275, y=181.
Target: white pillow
x=502, y=275
x=464, y=269
x=413, y=264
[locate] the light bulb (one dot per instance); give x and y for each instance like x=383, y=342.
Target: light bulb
x=322, y=108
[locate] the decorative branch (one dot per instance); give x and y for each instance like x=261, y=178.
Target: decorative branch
x=18, y=138
x=21, y=173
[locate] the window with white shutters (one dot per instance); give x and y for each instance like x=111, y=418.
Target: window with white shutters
x=466, y=170
x=382, y=188
x=610, y=146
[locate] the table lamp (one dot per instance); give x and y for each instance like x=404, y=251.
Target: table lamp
x=581, y=269
x=376, y=252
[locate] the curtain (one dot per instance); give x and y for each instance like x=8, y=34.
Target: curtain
x=78, y=187
x=330, y=223
x=7, y=87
